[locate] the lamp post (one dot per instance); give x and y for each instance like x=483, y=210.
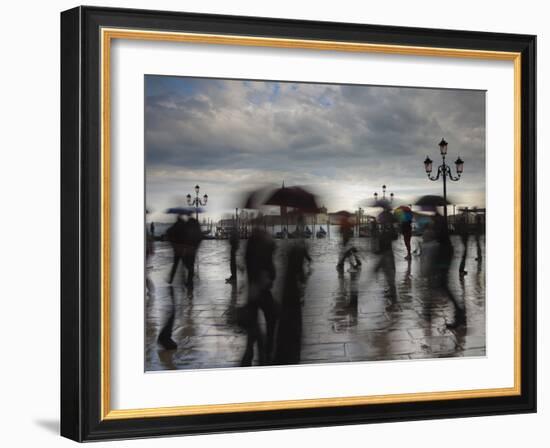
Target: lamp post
x=196, y=201
x=444, y=171
x=383, y=194
x=358, y=220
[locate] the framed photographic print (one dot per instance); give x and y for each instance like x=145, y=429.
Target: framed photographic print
x=275, y=224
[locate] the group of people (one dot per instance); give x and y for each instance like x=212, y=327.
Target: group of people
x=281, y=341
x=185, y=235
x=436, y=253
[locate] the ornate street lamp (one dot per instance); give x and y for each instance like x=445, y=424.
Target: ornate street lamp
x=443, y=147
x=383, y=194
x=196, y=201
x=444, y=171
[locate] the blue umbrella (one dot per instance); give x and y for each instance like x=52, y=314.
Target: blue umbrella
x=183, y=210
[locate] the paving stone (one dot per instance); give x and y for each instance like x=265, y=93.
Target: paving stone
x=347, y=317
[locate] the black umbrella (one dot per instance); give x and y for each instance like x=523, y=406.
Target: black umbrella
x=384, y=203
x=256, y=198
x=431, y=201
x=295, y=197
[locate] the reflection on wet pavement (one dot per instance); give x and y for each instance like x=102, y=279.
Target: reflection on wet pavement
x=346, y=316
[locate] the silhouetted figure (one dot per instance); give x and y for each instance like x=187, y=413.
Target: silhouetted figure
x=406, y=230
x=479, y=230
x=152, y=229
x=347, y=252
x=354, y=294
x=261, y=274
x=443, y=260
x=289, y=333
x=149, y=251
x=176, y=234
x=373, y=229
x=386, y=261
x=185, y=237
x=193, y=241
x=234, y=242
x=346, y=230
x=462, y=231
x=346, y=301
x=165, y=335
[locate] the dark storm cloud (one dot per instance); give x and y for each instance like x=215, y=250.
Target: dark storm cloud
x=318, y=133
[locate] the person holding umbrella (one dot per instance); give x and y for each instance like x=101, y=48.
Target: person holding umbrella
x=289, y=332
x=185, y=237
x=404, y=216
x=347, y=251
x=176, y=234
x=260, y=268
x=193, y=238
x=386, y=261
x=443, y=255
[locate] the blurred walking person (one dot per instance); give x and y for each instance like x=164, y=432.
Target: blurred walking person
x=165, y=335
x=404, y=215
x=347, y=251
x=185, y=237
x=386, y=261
x=260, y=268
x=443, y=260
x=176, y=235
x=406, y=230
x=462, y=231
x=193, y=238
x=149, y=252
x=479, y=230
x=289, y=332
x=234, y=242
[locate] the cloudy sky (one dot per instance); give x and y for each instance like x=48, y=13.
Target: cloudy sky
x=343, y=141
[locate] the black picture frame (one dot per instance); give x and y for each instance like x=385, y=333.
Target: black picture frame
x=81, y=224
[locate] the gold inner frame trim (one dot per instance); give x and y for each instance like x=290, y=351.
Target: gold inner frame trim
x=107, y=35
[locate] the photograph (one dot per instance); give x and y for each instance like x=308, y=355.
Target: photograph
x=295, y=220
x=294, y=223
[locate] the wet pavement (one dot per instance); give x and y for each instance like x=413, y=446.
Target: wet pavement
x=345, y=316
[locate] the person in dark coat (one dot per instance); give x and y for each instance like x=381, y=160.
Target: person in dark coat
x=443, y=260
x=260, y=268
x=479, y=230
x=234, y=241
x=176, y=235
x=193, y=238
x=462, y=231
x=406, y=230
x=347, y=251
x=185, y=237
x=386, y=261
x=289, y=332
